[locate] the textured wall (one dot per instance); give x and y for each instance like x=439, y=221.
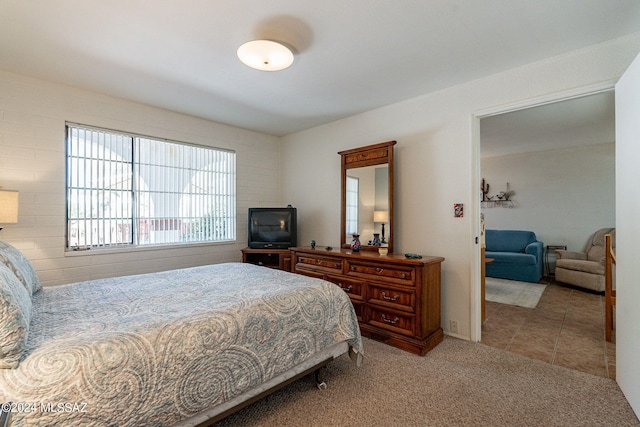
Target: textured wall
x=32, y=161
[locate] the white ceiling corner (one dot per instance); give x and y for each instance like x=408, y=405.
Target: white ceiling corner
x=351, y=56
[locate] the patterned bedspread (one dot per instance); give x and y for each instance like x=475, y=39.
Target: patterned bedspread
x=156, y=348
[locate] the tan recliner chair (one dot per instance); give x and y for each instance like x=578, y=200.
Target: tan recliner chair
x=585, y=269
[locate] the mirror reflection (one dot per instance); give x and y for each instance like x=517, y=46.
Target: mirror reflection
x=367, y=204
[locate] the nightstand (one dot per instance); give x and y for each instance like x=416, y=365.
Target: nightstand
x=272, y=258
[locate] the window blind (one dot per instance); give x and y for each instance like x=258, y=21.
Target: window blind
x=130, y=190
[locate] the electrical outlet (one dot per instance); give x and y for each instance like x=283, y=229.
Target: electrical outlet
x=453, y=326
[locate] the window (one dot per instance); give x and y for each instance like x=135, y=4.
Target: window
x=130, y=190
x=352, y=205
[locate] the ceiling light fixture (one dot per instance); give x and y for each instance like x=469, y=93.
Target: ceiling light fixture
x=265, y=55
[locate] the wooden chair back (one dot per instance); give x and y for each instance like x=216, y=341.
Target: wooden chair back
x=609, y=292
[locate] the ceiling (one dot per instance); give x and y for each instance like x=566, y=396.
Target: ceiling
x=350, y=56
x=572, y=123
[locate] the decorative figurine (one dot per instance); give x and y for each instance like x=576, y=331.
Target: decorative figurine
x=355, y=243
x=376, y=240
x=484, y=187
x=313, y=244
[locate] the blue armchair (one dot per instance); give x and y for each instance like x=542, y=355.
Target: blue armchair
x=517, y=255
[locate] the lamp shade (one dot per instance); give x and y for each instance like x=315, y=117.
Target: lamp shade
x=380, y=216
x=8, y=207
x=265, y=55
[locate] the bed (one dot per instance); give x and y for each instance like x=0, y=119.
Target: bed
x=180, y=347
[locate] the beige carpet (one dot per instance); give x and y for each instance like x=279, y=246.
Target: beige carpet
x=513, y=292
x=456, y=384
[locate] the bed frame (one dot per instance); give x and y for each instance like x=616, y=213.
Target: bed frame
x=316, y=364
x=5, y=417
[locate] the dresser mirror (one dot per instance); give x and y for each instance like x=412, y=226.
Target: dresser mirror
x=367, y=195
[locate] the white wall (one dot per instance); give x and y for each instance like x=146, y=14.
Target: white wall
x=561, y=195
x=436, y=164
x=628, y=234
x=32, y=161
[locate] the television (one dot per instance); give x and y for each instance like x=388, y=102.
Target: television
x=272, y=227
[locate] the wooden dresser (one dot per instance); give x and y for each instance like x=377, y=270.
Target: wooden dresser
x=397, y=299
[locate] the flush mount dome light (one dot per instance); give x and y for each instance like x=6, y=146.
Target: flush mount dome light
x=265, y=55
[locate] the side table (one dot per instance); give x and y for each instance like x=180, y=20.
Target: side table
x=551, y=249
x=272, y=258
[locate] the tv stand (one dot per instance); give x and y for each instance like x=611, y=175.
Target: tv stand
x=272, y=258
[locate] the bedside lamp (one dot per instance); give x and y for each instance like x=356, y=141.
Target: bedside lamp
x=8, y=207
x=383, y=217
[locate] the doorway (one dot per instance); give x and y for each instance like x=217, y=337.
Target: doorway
x=558, y=161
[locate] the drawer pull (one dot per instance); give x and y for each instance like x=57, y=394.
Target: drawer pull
x=390, y=321
x=404, y=275
x=379, y=270
x=393, y=298
x=347, y=289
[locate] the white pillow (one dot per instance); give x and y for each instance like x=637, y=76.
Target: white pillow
x=21, y=267
x=15, y=317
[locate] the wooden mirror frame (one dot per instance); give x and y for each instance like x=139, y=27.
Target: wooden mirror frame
x=371, y=155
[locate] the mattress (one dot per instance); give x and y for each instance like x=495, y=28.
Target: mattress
x=162, y=348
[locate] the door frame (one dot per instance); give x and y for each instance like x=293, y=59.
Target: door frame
x=551, y=98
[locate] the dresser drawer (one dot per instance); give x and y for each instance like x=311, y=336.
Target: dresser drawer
x=354, y=288
x=397, y=298
x=395, y=273
x=358, y=307
x=319, y=263
x=402, y=323
x=311, y=273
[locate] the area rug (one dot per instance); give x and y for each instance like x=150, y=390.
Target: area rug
x=512, y=292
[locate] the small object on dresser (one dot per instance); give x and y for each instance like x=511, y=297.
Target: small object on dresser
x=355, y=243
x=313, y=244
x=413, y=256
x=383, y=250
x=329, y=248
x=376, y=240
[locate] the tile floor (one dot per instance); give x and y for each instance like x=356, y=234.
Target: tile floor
x=565, y=329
